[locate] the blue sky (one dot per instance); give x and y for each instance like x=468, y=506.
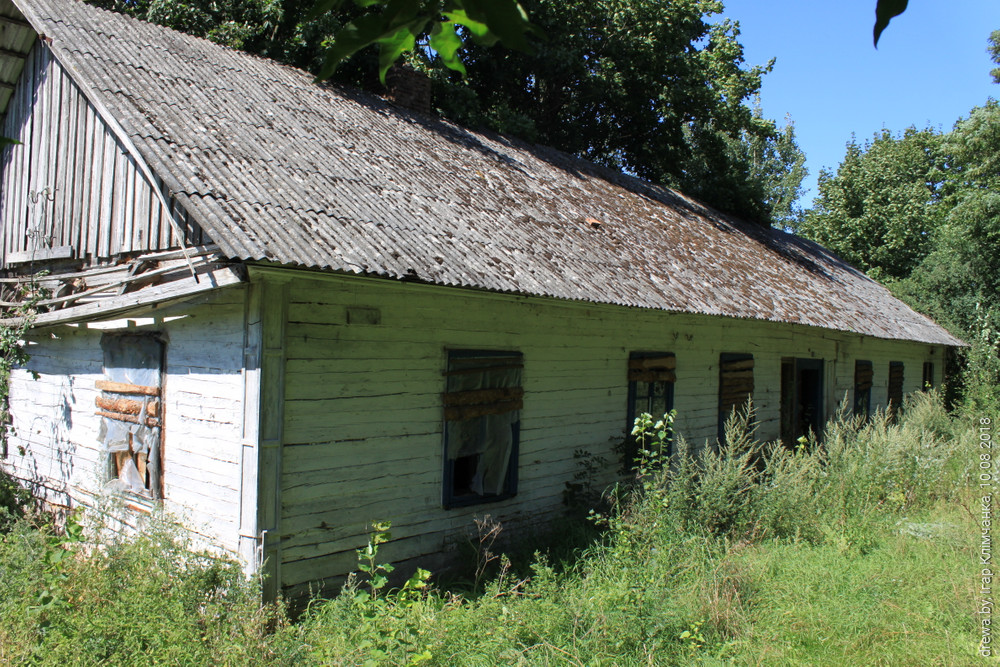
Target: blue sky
x=931, y=68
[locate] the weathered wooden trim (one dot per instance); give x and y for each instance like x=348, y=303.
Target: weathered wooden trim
x=274, y=316
x=122, y=388
x=652, y=376
x=40, y=254
x=98, y=270
x=132, y=419
x=483, y=369
x=211, y=279
x=734, y=367
x=466, y=412
x=250, y=545
x=127, y=406
x=653, y=363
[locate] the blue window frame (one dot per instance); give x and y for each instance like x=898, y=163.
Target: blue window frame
x=482, y=422
x=651, y=378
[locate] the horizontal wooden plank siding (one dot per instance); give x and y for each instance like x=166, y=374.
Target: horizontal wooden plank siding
x=70, y=183
x=364, y=404
x=202, y=406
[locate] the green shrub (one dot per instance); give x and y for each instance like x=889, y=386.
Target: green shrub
x=15, y=501
x=130, y=600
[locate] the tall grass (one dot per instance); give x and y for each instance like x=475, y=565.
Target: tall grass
x=855, y=551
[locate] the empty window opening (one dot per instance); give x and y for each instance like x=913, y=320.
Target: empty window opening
x=651, y=378
x=130, y=407
x=928, y=381
x=735, y=386
x=801, y=399
x=482, y=412
x=895, y=388
x=863, y=375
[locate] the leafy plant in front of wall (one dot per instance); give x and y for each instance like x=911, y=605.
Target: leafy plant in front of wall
x=59, y=546
x=14, y=499
x=18, y=318
x=387, y=621
x=651, y=442
x=14, y=502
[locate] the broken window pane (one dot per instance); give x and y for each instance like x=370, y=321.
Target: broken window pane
x=482, y=406
x=130, y=410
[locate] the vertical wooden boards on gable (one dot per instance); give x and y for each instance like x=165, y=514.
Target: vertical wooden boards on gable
x=71, y=184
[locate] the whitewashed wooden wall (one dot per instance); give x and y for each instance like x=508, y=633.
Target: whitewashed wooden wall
x=363, y=416
x=89, y=194
x=54, y=445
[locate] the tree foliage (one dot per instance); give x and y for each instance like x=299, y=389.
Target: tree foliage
x=959, y=272
x=879, y=211
x=924, y=210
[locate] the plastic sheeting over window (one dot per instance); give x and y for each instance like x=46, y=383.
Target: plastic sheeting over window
x=482, y=418
x=130, y=409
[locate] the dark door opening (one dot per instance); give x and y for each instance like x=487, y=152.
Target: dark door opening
x=801, y=399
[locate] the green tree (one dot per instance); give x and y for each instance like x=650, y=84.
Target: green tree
x=880, y=210
x=959, y=272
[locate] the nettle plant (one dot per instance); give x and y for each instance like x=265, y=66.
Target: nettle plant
x=17, y=319
x=653, y=440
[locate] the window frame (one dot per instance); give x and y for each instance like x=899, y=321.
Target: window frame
x=631, y=410
x=726, y=358
x=895, y=394
x=115, y=392
x=793, y=411
x=449, y=498
x=863, y=394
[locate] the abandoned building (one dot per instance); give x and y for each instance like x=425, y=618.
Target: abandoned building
x=285, y=310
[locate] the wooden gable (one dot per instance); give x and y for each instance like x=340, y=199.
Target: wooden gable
x=72, y=189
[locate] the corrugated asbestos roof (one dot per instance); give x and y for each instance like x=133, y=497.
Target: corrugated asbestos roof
x=276, y=168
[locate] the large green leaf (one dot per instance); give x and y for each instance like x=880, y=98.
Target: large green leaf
x=885, y=10
x=395, y=25
x=446, y=42
x=506, y=19
x=396, y=44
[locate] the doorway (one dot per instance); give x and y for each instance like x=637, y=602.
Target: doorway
x=801, y=399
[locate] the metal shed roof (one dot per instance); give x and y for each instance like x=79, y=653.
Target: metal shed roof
x=277, y=168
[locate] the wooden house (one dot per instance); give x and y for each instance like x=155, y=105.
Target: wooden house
x=285, y=310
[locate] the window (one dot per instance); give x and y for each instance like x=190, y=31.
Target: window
x=651, y=377
x=895, y=387
x=801, y=399
x=928, y=381
x=735, y=386
x=863, y=374
x=130, y=408
x=482, y=413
